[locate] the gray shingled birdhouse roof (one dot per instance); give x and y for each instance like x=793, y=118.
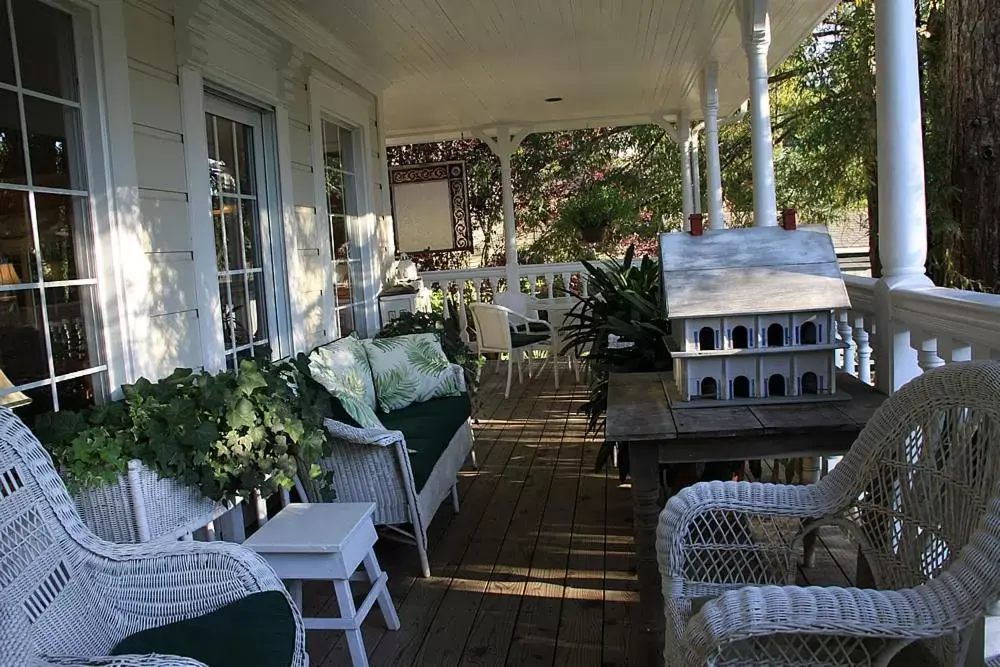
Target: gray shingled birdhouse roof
x=754, y=271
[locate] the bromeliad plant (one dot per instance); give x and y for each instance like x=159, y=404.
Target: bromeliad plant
x=624, y=300
x=226, y=434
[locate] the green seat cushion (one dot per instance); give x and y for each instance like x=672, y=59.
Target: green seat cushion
x=521, y=339
x=256, y=630
x=428, y=428
x=533, y=327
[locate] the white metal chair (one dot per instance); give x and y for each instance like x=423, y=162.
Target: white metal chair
x=503, y=331
x=919, y=491
x=65, y=592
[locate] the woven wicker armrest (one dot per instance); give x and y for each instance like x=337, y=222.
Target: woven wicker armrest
x=805, y=615
x=118, y=661
x=717, y=535
x=363, y=436
x=195, y=578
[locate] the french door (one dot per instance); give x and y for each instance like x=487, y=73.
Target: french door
x=242, y=198
x=341, y=146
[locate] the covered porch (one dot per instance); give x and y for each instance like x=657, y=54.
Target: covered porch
x=538, y=567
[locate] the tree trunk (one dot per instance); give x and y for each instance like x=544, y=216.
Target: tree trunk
x=973, y=111
x=873, y=256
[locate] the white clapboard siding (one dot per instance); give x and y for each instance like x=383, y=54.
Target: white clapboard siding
x=172, y=286
x=164, y=221
x=149, y=36
x=302, y=185
x=155, y=97
x=159, y=160
x=298, y=135
x=174, y=342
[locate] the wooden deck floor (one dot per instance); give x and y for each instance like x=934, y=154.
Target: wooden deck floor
x=536, y=568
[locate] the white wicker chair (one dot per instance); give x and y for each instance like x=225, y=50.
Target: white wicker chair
x=65, y=592
x=372, y=465
x=918, y=491
x=493, y=334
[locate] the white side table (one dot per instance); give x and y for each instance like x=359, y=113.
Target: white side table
x=328, y=541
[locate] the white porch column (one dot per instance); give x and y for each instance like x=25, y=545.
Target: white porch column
x=503, y=146
x=902, y=242
x=684, y=141
x=713, y=185
x=696, y=170
x=756, y=40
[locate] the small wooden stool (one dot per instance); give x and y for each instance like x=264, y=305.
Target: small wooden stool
x=328, y=541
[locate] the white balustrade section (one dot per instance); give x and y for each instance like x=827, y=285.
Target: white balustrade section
x=942, y=326
x=540, y=281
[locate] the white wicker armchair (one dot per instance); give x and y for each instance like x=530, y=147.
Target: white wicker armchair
x=918, y=492
x=64, y=592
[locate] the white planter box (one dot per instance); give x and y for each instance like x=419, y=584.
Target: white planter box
x=142, y=507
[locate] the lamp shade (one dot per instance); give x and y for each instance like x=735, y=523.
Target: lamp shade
x=406, y=269
x=8, y=274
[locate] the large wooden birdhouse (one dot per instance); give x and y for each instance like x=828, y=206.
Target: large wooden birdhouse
x=753, y=312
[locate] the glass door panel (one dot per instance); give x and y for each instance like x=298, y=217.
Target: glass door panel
x=342, y=205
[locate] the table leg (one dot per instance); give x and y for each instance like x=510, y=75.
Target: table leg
x=384, y=599
x=345, y=601
x=294, y=587
x=810, y=475
x=644, y=468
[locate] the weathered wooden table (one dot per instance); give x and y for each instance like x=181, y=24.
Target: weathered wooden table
x=639, y=415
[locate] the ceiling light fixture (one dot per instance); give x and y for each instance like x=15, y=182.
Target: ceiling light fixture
x=553, y=99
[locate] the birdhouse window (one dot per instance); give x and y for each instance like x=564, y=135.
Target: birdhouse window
x=706, y=338
x=741, y=338
x=775, y=335
x=810, y=384
x=776, y=385
x=808, y=334
x=741, y=387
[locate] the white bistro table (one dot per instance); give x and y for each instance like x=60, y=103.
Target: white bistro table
x=328, y=541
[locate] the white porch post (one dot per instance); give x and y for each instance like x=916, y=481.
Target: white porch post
x=902, y=242
x=756, y=40
x=713, y=185
x=503, y=147
x=696, y=171
x=684, y=141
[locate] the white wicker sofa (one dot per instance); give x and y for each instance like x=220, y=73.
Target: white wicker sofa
x=408, y=468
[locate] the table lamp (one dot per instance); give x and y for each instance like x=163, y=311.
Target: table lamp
x=14, y=399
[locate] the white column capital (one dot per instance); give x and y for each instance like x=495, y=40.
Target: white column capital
x=755, y=20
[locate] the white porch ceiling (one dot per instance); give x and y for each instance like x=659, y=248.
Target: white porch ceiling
x=456, y=65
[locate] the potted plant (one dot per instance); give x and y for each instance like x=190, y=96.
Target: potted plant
x=593, y=209
x=176, y=453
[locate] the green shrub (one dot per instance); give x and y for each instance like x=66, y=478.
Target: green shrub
x=226, y=434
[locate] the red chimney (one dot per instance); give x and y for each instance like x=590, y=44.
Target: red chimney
x=788, y=218
x=697, y=224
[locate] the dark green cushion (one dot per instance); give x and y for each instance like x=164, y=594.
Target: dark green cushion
x=521, y=339
x=256, y=630
x=428, y=428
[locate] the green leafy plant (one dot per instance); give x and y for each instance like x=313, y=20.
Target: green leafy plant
x=624, y=300
x=593, y=208
x=227, y=434
x=452, y=344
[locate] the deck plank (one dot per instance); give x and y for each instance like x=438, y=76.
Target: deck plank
x=420, y=608
x=580, y=641
x=493, y=628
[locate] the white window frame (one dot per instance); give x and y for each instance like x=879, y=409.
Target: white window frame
x=112, y=187
x=334, y=102
x=269, y=214
x=194, y=91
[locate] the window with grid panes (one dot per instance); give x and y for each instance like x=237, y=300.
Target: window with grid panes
x=341, y=165
x=238, y=200
x=52, y=351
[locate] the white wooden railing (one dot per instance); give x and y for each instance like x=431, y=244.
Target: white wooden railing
x=537, y=280
x=919, y=328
